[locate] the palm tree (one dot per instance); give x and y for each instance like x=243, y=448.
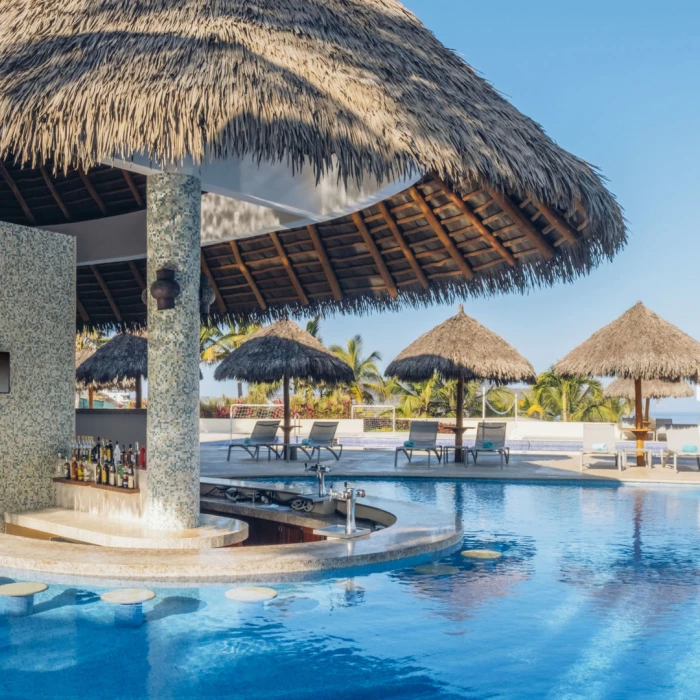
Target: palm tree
x=577, y=398
x=364, y=368
x=215, y=344
x=313, y=327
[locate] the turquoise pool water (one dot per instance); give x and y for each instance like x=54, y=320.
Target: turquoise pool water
x=595, y=596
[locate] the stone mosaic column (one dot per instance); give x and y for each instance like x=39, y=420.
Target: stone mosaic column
x=174, y=221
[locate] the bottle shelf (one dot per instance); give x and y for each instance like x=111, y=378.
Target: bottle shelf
x=92, y=484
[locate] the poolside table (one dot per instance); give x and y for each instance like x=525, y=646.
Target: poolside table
x=459, y=450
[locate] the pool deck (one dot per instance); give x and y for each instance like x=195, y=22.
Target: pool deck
x=549, y=466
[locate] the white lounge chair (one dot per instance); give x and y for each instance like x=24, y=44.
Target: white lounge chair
x=490, y=437
x=321, y=437
x=683, y=443
x=421, y=438
x=263, y=435
x=599, y=441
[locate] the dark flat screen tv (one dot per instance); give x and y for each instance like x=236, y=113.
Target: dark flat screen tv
x=4, y=372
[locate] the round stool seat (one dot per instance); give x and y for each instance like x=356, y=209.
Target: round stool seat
x=481, y=554
x=21, y=590
x=251, y=594
x=128, y=596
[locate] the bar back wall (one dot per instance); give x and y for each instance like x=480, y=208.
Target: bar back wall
x=37, y=328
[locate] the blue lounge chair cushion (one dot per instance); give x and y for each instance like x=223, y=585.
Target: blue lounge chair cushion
x=247, y=441
x=600, y=447
x=487, y=445
x=409, y=443
x=307, y=442
x=692, y=449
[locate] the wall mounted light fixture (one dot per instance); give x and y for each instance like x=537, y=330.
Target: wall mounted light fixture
x=165, y=289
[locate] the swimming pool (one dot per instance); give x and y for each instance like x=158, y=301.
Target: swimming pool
x=595, y=596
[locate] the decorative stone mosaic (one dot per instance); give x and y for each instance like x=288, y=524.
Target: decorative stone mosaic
x=174, y=222
x=37, y=328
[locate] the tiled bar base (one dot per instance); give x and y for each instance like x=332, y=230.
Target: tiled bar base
x=91, y=529
x=416, y=530
x=116, y=504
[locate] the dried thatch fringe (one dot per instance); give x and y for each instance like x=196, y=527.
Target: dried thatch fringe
x=637, y=345
x=355, y=86
x=461, y=346
x=120, y=362
x=280, y=349
x=651, y=389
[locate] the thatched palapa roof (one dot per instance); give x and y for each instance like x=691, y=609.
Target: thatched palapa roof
x=461, y=346
x=119, y=362
x=283, y=349
x=360, y=87
x=638, y=345
x=651, y=389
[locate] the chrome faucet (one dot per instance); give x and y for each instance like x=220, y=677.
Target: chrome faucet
x=350, y=496
x=320, y=470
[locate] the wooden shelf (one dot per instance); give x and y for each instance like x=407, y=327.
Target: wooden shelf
x=92, y=484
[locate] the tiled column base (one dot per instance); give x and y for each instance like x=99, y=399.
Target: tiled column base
x=174, y=221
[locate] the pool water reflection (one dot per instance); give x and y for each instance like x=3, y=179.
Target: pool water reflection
x=595, y=596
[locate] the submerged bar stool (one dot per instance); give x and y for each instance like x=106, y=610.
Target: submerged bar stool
x=128, y=602
x=20, y=597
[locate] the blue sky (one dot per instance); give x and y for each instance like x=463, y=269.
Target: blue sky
x=618, y=84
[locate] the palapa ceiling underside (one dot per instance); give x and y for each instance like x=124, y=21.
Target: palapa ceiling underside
x=425, y=244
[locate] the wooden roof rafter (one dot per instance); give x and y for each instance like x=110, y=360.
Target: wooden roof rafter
x=441, y=233
x=5, y=174
x=107, y=293
x=220, y=303
x=247, y=274
x=383, y=270
x=325, y=262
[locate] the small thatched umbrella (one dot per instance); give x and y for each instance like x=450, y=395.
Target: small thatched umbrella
x=641, y=346
x=651, y=389
x=461, y=348
x=123, y=362
x=280, y=352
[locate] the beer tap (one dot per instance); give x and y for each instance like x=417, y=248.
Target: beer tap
x=349, y=496
x=320, y=470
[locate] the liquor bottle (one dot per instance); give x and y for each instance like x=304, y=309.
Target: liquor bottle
x=142, y=457
x=112, y=474
x=105, y=473
x=98, y=473
x=136, y=455
x=74, y=467
x=97, y=450
x=129, y=456
x=120, y=476
x=132, y=477
x=66, y=469
x=108, y=450
x=117, y=454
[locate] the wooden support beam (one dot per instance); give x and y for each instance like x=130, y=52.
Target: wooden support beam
x=441, y=233
x=220, y=303
x=54, y=193
x=15, y=191
x=514, y=212
x=325, y=262
x=81, y=309
x=290, y=268
x=376, y=254
x=137, y=275
x=107, y=293
x=246, y=273
x=405, y=249
x=473, y=218
x=91, y=190
x=556, y=220
x=134, y=190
